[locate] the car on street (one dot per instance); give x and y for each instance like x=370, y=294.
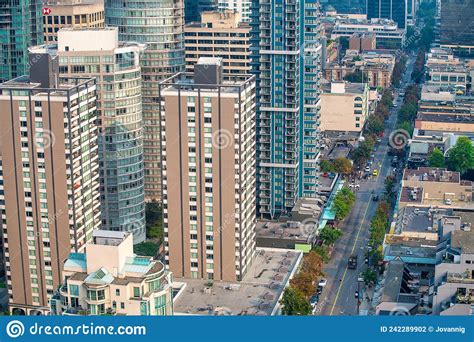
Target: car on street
x=375, y=198
x=314, y=302
x=375, y=173
x=323, y=282
x=367, y=169
x=352, y=262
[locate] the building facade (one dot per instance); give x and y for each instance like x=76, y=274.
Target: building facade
x=344, y=107
x=456, y=25
x=388, y=9
x=287, y=66
x=116, y=66
x=219, y=34
x=194, y=8
x=208, y=144
x=121, y=284
x=243, y=7
x=160, y=25
x=49, y=200
x=20, y=28
x=72, y=13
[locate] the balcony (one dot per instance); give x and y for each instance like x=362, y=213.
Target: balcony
x=461, y=278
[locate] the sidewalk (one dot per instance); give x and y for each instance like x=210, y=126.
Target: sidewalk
x=366, y=296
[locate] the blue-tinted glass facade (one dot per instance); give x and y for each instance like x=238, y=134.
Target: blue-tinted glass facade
x=21, y=26
x=285, y=58
x=160, y=25
x=194, y=8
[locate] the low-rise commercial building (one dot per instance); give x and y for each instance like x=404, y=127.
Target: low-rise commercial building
x=108, y=278
x=387, y=33
x=426, y=187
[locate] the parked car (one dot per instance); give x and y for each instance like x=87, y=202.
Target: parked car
x=314, y=301
x=367, y=169
x=375, y=173
x=375, y=198
x=323, y=282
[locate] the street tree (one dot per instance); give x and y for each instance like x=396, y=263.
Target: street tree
x=461, y=156
x=294, y=303
x=329, y=235
x=342, y=165
x=304, y=283
x=436, y=158
x=312, y=264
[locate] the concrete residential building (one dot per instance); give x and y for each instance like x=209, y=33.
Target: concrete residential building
x=344, y=107
x=20, y=28
x=208, y=146
x=219, y=34
x=388, y=9
x=243, y=7
x=120, y=284
x=160, y=25
x=116, y=66
x=288, y=79
x=49, y=194
x=72, y=13
x=388, y=35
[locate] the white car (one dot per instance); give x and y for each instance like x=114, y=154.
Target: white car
x=323, y=282
x=367, y=169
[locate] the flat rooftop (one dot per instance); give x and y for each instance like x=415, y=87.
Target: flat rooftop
x=431, y=174
x=257, y=294
x=419, y=219
x=291, y=230
x=450, y=118
x=463, y=240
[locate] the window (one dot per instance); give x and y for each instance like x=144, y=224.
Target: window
x=122, y=305
x=136, y=292
x=74, y=290
x=117, y=292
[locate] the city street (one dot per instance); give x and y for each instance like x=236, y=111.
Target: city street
x=338, y=297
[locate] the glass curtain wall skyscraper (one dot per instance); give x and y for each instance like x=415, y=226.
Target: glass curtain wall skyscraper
x=160, y=25
x=194, y=8
x=285, y=53
x=21, y=26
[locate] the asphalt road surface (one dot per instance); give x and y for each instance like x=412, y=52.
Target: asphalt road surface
x=338, y=297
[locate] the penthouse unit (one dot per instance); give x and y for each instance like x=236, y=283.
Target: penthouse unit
x=49, y=171
x=109, y=279
x=388, y=35
x=427, y=186
x=437, y=117
x=71, y=13
x=209, y=173
x=344, y=106
x=219, y=34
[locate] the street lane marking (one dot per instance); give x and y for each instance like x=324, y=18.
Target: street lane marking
x=352, y=251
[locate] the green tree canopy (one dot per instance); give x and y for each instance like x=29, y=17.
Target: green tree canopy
x=461, y=156
x=343, y=203
x=342, y=165
x=329, y=235
x=294, y=303
x=436, y=158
